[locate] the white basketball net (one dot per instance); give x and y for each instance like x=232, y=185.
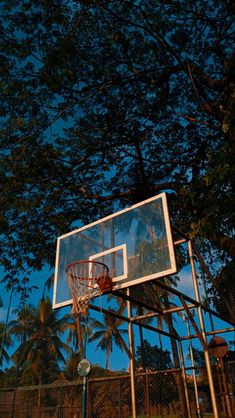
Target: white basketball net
x=86, y=280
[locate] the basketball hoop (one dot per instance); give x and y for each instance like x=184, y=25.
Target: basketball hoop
x=87, y=279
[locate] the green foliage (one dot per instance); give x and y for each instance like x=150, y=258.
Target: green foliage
x=162, y=389
x=8, y=377
x=41, y=350
x=21, y=327
x=226, y=287
x=155, y=358
x=106, y=104
x=107, y=333
x=70, y=371
x=5, y=342
x=198, y=356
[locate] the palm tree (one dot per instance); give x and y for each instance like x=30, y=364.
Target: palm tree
x=109, y=333
x=70, y=371
x=80, y=329
x=78, y=326
x=41, y=349
x=5, y=342
x=21, y=327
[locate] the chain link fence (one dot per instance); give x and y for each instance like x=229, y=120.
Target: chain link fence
x=158, y=394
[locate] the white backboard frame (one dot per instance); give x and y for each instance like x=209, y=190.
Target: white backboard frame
x=121, y=281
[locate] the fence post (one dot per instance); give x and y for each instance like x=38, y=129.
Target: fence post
x=88, y=398
x=184, y=379
x=201, y=322
x=193, y=368
x=132, y=359
x=61, y=403
x=39, y=398
x=147, y=395
x=119, y=400
x=13, y=403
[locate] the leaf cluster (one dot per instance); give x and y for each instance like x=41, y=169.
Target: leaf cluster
x=104, y=104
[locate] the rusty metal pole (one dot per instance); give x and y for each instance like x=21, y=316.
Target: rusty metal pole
x=203, y=333
x=193, y=368
x=225, y=388
x=147, y=396
x=220, y=388
x=132, y=359
x=184, y=377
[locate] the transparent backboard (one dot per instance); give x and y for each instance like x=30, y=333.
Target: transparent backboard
x=136, y=244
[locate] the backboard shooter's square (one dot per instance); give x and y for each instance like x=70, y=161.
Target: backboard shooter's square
x=135, y=243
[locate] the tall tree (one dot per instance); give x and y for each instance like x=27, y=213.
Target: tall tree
x=107, y=333
x=5, y=342
x=106, y=103
x=165, y=389
x=80, y=328
x=41, y=354
x=21, y=327
x=157, y=358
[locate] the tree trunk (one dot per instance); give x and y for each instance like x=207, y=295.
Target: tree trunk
x=107, y=359
x=79, y=336
x=140, y=312
x=39, y=393
x=177, y=365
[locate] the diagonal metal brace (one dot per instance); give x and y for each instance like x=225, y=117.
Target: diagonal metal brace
x=190, y=316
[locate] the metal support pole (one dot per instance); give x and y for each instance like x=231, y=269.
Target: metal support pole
x=132, y=360
x=119, y=399
x=184, y=379
x=221, y=389
x=201, y=321
x=193, y=366
x=88, y=398
x=225, y=393
x=13, y=403
x=84, y=398
x=147, y=403
x=61, y=403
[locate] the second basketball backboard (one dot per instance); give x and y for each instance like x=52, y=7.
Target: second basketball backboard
x=135, y=243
